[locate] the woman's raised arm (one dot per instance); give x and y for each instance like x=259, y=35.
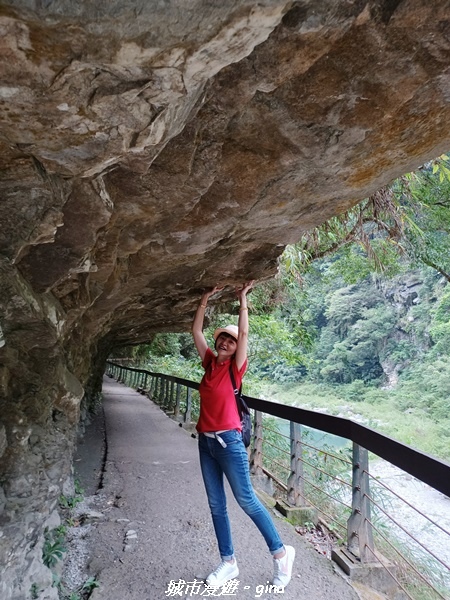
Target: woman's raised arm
x=241, y=350
x=197, y=325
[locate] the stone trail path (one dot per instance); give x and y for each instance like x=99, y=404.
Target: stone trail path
x=157, y=527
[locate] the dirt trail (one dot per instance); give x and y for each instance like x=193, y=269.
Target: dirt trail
x=156, y=528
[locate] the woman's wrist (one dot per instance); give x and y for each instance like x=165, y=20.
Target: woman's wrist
x=204, y=300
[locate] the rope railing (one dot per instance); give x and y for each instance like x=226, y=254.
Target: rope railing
x=341, y=492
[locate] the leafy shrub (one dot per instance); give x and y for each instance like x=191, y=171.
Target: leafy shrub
x=54, y=546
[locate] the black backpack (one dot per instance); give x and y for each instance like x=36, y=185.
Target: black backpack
x=244, y=412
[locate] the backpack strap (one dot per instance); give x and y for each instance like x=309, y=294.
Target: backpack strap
x=235, y=390
x=237, y=394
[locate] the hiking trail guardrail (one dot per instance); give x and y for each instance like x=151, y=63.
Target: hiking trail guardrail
x=333, y=488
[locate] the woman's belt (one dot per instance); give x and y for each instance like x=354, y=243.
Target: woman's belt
x=216, y=435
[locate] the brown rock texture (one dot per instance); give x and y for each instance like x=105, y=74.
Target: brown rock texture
x=151, y=149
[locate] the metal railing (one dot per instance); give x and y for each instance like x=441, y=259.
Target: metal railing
x=353, y=503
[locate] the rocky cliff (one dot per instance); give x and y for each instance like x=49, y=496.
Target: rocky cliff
x=150, y=149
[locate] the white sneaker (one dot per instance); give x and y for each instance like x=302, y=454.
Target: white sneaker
x=282, y=567
x=224, y=572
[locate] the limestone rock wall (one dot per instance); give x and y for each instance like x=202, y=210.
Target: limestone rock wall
x=149, y=150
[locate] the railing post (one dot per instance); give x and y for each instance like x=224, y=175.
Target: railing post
x=188, y=411
x=295, y=483
x=162, y=384
x=166, y=394
x=176, y=410
x=256, y=453
x=159, y=393
x=164, y=402
x=162, y=390
x=359, y=529
x=172, y=387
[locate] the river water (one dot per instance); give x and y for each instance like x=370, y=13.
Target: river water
x=425, y=500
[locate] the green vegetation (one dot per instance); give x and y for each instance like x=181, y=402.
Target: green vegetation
x=54, y=546
x=69, y=502
x=83, y=592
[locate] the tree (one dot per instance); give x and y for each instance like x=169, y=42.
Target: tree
x=440, y=326
x=424, y=197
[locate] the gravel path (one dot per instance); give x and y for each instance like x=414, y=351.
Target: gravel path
x=154, y=526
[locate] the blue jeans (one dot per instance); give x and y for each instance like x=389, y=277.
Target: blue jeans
x=215, y=461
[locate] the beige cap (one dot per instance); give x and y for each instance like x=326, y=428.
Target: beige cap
x=230, y=329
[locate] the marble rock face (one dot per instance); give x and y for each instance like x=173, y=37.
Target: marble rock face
x=151, y=149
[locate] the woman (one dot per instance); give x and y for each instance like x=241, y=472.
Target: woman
x=221, y=448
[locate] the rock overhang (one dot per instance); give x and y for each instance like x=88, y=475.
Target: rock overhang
x=150, y=151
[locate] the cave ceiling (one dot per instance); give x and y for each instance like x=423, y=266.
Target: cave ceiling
x=151, y=149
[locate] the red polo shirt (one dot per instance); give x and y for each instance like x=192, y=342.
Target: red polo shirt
x=218, y=409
